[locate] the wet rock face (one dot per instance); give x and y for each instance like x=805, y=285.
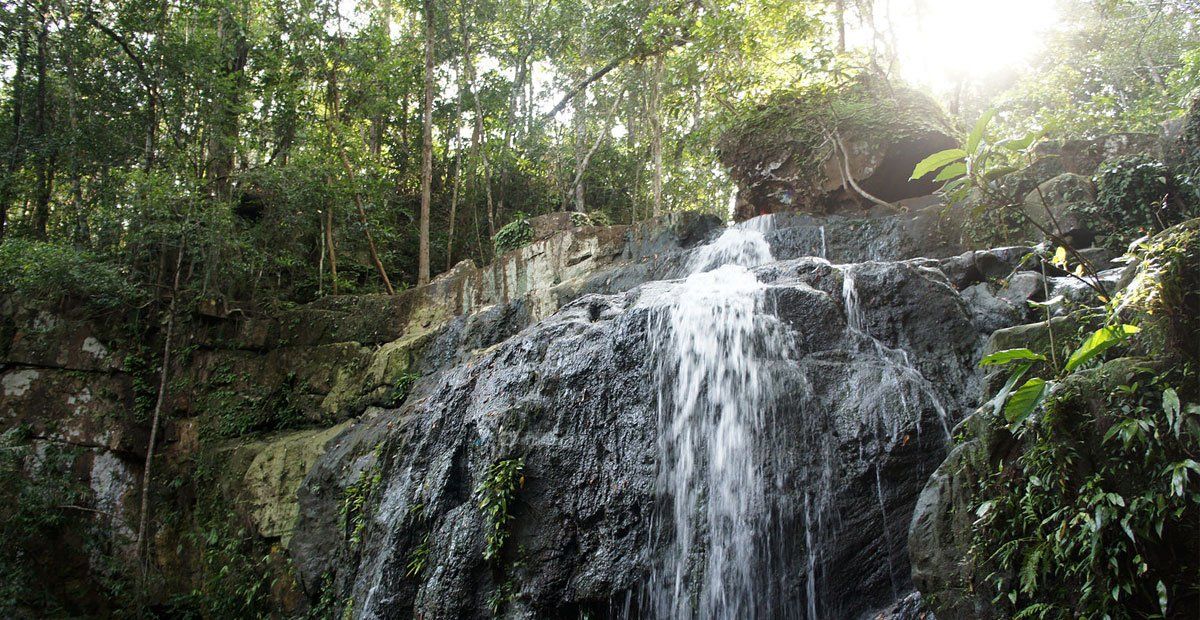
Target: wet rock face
x=858, y=425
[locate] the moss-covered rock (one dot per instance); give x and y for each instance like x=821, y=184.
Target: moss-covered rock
x=268, y=486
x=784, y=154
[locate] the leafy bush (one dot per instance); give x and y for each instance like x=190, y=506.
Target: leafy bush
x=596, y=218
x=517, y=233
x=50, y=273
x=1094, y=510
x=1140, y=193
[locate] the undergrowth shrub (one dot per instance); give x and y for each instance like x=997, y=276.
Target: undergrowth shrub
x=1138, y=195
x=38, y=493
x=1094, y=512
x=516, y=234
x=51, y=273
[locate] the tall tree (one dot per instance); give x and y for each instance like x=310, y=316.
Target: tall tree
x=426, y=146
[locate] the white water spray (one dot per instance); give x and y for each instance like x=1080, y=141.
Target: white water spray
x=714, y=391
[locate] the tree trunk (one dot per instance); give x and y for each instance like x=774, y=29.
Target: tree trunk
x=378, y=118
x=582, y=168
x=223, y=136
x=426, y=148
x=15, y=150
x=841, y=24
x=362, y=218
x=45, y=152
x=656, y=132
x=457, y=137
x=333, y=278
x=144, y=514
x=480, y=150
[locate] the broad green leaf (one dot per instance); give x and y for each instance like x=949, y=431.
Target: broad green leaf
x=1100, y=341
x=1002, y=395
x=1171, y=402
x=1025, y=400
x=1171, y=407
x=976, y=136
x=936, y=162
x=1000, y=358
x=953, y=171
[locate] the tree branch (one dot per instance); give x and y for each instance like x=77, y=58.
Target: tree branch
x=581, y=85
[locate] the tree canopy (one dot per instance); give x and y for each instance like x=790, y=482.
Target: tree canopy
x=287, y=146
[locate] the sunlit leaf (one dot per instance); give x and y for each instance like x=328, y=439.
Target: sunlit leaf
x=1000, y=358
x=1060, y=257
x=953, y=171
x=1100, y=341
x=1002, y=395
x=1025, y=400
x=976, y=136
x=937, y=161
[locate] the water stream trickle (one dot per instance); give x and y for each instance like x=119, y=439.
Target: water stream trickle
x=900, y=375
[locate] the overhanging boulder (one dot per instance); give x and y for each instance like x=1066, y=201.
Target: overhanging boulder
x=806, y=150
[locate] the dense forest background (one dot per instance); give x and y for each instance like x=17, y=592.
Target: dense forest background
x=286, y=149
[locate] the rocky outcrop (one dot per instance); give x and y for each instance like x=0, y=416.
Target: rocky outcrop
x=806, y=151
x=861, y=424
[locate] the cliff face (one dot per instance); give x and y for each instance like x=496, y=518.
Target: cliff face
x=399, y=406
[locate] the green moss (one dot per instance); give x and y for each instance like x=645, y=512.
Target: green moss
x=801, y=120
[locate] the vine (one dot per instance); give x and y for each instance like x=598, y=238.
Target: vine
x=495, y=495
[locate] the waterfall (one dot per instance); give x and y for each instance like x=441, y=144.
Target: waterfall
x=717, y=352
x=712, y=337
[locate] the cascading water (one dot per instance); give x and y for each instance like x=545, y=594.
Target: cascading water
x=714, y=394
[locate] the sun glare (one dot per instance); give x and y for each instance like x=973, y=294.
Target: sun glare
x=943, y=41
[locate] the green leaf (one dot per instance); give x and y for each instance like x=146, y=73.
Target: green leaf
x=1002, y=395
x=1100, y=341
x=937, y=161
x=1022, y=143
x=1000, y=358
x=976, y=136
x=995, y=173
x=1170, y=405
x=1025, y=400
x=953, y=171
